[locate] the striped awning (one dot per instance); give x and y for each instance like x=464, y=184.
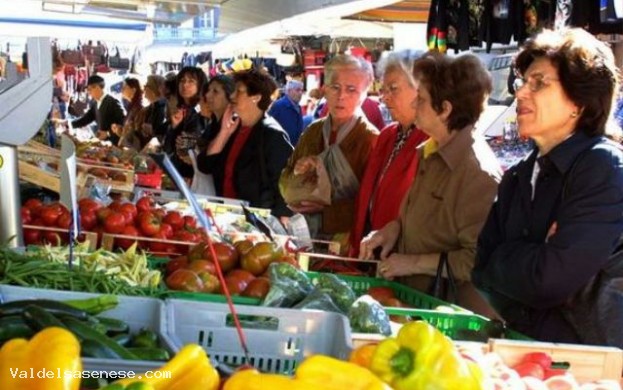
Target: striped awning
x=406, y=11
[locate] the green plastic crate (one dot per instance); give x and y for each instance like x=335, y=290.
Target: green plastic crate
x=410, y=296
x=461, y=326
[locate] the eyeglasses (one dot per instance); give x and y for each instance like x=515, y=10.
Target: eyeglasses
x=535, y=82
x=337, y=88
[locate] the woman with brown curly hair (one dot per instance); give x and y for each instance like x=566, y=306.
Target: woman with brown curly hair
x=559, y=212
x=457, y=178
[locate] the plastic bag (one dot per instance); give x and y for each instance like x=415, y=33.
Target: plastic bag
x=338, y=290
x=202, y=183
x=311, y=186
x=368, y=316
x=319, y=300
x=288, y=285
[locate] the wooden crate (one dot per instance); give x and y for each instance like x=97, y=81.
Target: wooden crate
x=108, y=243
x=40, y=177
x=91, y=237
x=306, y=258
x=586, y=363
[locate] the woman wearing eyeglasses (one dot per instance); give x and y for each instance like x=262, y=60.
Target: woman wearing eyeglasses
x=559, y=212
x=342, y=141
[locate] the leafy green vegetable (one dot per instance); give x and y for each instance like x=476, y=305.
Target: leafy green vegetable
x=339, y=290
x=368, y=316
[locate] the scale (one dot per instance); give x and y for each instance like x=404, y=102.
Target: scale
x=24, y=105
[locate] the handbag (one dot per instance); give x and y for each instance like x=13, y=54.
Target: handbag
x=442, y=287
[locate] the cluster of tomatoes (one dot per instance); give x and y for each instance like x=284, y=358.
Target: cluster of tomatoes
x=143, y=219
x=244, y=265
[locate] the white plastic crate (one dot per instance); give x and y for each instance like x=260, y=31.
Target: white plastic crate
x=297, y=334
x=137, y=312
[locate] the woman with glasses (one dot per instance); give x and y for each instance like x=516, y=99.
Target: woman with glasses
x=343, y=142
x=184, y=121
x=250, y=149
x=456, y=182
x=559, y=212
x=393, y=163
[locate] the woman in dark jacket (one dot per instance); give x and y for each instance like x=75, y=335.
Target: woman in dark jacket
x=184, y=120
x=250, y=150
x=559, y=212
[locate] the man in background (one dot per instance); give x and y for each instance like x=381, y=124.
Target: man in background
x=103, y=109
x=287, y=111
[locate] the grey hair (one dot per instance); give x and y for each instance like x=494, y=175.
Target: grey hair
x=398, y=61
x=348, y=61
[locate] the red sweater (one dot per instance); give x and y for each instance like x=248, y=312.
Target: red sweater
x=392, y=187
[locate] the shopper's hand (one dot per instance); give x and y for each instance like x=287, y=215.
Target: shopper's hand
x=398, y=265
x=177, y=117
x=552, y=230
x=117, y=129
x=102, y=135
x=304, y=165
x=385, y=239
x=230, y=121
x=147, y=130
x=306, y=207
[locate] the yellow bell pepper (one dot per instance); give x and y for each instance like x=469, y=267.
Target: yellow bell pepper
x=317, y=372
x=49, y=361
x=190, y=369
x=421, y=357
x=253, y=380
x=329, y=373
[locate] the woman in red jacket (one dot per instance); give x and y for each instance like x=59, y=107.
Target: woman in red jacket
x=393, y=163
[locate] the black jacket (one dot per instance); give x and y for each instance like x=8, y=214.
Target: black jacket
x=258, y=168
x=110, y=111
x=527, y=276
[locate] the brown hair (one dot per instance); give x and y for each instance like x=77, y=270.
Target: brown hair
x=462, y=81
x=194, y=73
x=586, y=70
x=257, y=83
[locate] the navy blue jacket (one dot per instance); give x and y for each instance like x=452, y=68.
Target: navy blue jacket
x=289, y=117
x=528, y=277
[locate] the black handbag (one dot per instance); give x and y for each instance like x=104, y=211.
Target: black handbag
x=442, y=287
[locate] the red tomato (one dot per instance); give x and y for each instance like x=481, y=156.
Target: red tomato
x=175, y=264
x=88, y=220
x=64, y=221
x=32, y=236
x=148, y=223
x=115, y=206
x=129, y=208
x=551, y=372
x=37, y=222
x=33, y=204
x=175, y=219
x=529, y=369
x=190, y=221
x=381, y=293
x=184, y=280
x=202, y=266
x=257, y=288
x=211, y=284
x=185, y=235
x=114, y=223
x=49, y=215
x=237, y=282
x=160, y=213
x=26, y=215
x=87, y=204
x=226, y=255
x=159, y=246
x=146, y=203
x=167, y=229
x=102, y=214
x=125, y=243
x=541, y=358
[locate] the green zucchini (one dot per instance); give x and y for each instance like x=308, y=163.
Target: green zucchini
x=38, y=318
x=95, y=305
x=55, y=307
x=85, y=332
x=95, y=349
x=12, y=327
x=114, y=326
x=145, y=338
x=151, y=353
x=122, y=339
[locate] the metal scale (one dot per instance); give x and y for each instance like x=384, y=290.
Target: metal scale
x=24, y=105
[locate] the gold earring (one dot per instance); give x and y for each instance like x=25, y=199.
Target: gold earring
x=574, y=114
